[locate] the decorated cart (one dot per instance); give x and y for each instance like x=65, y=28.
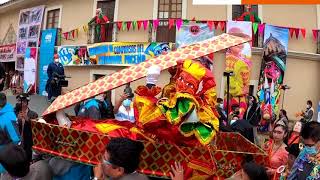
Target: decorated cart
x=176, y=123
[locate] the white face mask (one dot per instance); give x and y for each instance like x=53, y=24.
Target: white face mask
x=308, y=106
x=56, y=60
x=221, y=106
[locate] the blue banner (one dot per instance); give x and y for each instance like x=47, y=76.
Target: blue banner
x=48, y=40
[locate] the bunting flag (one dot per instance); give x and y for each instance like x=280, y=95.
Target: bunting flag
x=291, y=30
x=222, y=25
x=65, y=35
x=216, y=23
x=139, y=24
x=128, y=23
x=85, y=28
x=145, y=24
x=179, y=23
x=124, y=25
x=303, y=32
x=261, y=29
x=134, y=25
x=255, y=27
x=210, y=25
x=315, y=34
x=73, y=33
x=155, y=23
x=297, y=31
x=185, y=22
x=150, y=24
x=171, y=23
x=119, y=25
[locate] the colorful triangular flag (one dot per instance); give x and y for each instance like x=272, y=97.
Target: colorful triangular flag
x=315, y=34
x=255, y=27
x=119, y=25
x=260, y=29
x=297, y=31
x=128, y=25
x=155, y=23
x=303, y=32
x=124, y=25
x=222, y=25
x=145, y=24
x=178, y=23
x=171, y=23
x=139, y=24
x=291, y=30
x=134, y=25
x=216, y=23
x=210, y=25
x=185, y=22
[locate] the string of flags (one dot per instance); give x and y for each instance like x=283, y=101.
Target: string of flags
x=177, y=23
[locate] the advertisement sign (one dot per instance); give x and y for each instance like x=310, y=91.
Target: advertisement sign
x=73, y=55
x=29, y=27
x=48, y=40
x=125, y=52
x=273, y=67
x=7, y=53
x=192, y=33
x=30, y=69
x=238, y=60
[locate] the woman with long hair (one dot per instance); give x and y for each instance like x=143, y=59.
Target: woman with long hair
x=276, y=149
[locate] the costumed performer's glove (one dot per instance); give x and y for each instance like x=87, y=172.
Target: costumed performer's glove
x=153, y=74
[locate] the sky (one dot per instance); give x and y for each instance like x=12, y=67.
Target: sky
x=3, y=1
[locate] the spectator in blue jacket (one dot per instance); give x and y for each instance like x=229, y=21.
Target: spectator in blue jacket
x=54, y=69
x=8, y=125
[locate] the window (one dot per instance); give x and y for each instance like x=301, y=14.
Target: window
x=238, y=10
x=53, y=17
x=168, y=9
x=107, y=7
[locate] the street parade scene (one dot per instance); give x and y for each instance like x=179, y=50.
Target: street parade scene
x=159, y=89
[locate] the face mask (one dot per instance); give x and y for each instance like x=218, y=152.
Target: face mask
x=126, y=103
x=310, y=150
x=56, y=60
x=221, y=106
x=308, y=106
x=232, y=121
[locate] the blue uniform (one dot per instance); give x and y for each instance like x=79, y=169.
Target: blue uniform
x=8, y=128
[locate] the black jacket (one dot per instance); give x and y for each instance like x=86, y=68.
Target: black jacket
x=26, y=132
x=254, y=115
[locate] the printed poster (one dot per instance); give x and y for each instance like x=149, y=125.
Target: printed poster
x=273, y=67
x=238, y=60
x=192, y=33
x=7, y=53
x=73, y=55
x=125, y=52
x=29, y=27
x=48, y=40
x=30, y=69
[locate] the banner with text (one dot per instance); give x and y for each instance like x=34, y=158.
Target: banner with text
x=30, y=69
x=29, y=27
x=125, y=52
x=7, y=53
x=73, y=55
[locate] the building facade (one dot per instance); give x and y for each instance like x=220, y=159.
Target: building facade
x=303, y=62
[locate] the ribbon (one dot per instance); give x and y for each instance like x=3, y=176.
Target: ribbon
x=255, y=27
x=210, y=24
x=155, y=23
x=145, y=24
x=178, y=23
x=171, y=23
